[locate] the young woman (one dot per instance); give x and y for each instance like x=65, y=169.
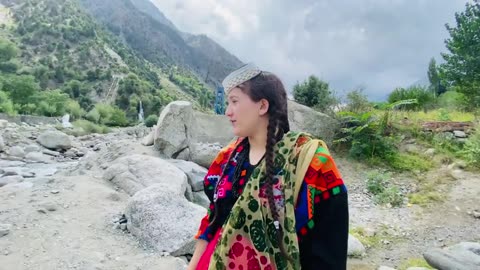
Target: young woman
x=261, y=216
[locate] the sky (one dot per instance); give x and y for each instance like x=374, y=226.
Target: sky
x=374, y=45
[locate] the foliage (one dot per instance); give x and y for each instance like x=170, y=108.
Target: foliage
x=384, y=192
x=6, y=104
x=452, y=100
x=314, y=92
x=424, y=98
x=433, y=76
x=471, y=149
x=462, y=63
x=89, y=127
x=357, y=102
x=151, y=120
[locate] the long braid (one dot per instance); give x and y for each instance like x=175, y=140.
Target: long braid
x=272, y=138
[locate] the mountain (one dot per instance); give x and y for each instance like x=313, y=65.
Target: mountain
x=148, y=32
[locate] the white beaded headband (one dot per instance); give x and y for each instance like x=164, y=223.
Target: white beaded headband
x=240, y=76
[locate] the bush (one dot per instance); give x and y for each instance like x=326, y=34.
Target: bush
x=73, y=108
x=471, y=150
x=384, y=193
x=425, y=99
x=117, y=118
x=314, y=92
x=6, y=105
x=357, y=102
x=89, y=127
x=452, y=100
x=93, y=116
x=151, y=120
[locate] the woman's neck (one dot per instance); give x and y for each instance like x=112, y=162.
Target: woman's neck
x=258, y=144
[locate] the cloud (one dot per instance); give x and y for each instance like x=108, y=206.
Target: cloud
x=377, y=44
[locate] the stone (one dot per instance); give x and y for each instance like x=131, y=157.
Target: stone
x=412, y=149
x=16, y=151
x=12, y=171
x=50, y=152
x=28, y=174
x=417, y=268
x=32, y=148
x=385, y=268
x=150, y=213
x=71, y=153
x=204, y=154
x=135, y=172
x=465, y=255
x=10, y=180
x=430, y=152
x=201, y=199
x=171, y=134
x=37, y=157
x=459, y=134
x=148, y=140
x=55, y=140
x=303, y=118
x=355, y=247
x=194, y=172
x=5, y=229
x=2, y=144
x=49, y=207
x=3, y=123
x=55, y=191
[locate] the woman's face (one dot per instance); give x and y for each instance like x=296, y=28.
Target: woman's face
x=245, y=114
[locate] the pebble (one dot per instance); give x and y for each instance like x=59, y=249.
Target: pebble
x=123, y=227
x=4, y=229
x=54, y=191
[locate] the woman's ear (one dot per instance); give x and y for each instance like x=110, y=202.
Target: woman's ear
x=264, y=105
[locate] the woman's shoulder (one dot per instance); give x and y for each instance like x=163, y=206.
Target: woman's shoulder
x=302, y=140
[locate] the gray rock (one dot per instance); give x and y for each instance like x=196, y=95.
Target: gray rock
x=303, y=118
x=55, y=140
x=171, y=134
x=355, y=247
x=385, y=268
x=71, y=153
x=463, y=256
x=3, y=123
x=5, y=229
x=10, y=180
x=2, y=144
x=28, y=174
x=50, y=152
x=459, y=134
x=136, y=172
x=49, y=206
x=417, y=268
x=12, y=171
x=204, y=154
x=148, y=140
x=430, y=152
x=37, y=157
x=16, y=151
x=201, y=199
x=194, y=172
x=32, y=148
x=150, y=213
x=412, y=148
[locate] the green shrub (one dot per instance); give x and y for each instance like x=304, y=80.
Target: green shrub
x=6, y=105
x=89, y=127
x=377, y=182
x=424, y=97
x=471, y=150
x=452, y=100
x=93, y=115
x=151, y=120
x=391, y=195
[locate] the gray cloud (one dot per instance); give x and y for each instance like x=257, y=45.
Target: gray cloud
x=377, y=44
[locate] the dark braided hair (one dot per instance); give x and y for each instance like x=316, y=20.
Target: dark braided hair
x=268, y=86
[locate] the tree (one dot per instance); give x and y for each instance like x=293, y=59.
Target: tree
x=8, y=51
x=434, y=78
x=357, y=101
x=314, y=92
x=462, y=64
x=21, y=88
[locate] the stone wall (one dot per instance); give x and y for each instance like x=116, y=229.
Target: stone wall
x=31, y=119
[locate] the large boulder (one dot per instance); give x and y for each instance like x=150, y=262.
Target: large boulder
x=171, y=135
x=194, y=172
x=463, y=256
x=211, y=129
x=164, y=219
x=55, y=140
x=303, y=118
x=203, y=153
x=136, y=172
